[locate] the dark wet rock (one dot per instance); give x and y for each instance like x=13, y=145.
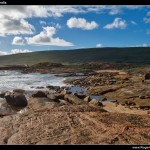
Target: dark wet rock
x=114, y=101
x=104, y=99
x=66, y=75
x=81, y=96
x=39, y=94
x=40, y=87
x=2, y=94
x=144, y=107
x=50, y=87
x=59, y=96
x=147, y=76
x=16, y=100
x=73, y=99
x=95, y=102
x=142, y=97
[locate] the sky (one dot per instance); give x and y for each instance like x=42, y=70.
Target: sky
x=29, y=28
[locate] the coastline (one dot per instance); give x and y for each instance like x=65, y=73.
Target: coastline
x=74, y=116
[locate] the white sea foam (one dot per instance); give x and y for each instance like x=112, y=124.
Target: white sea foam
x=10, y=80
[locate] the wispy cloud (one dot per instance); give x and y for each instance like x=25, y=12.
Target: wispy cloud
x=98, y=45
x=142, y=45
x=133, y=22
x=16, y=51
x=81, y=23
x=148, y=13
x=146, y=20
x=118, y=23
x=42, y=22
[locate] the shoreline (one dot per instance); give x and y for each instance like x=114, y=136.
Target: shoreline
x=73, y=117
x=76, y=89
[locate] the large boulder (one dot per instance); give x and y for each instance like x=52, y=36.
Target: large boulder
x=39, y=94
x=147, y=76
x=59, y=96
x=16, y=100
x=87, y=99
x=73, y=99
x=54, y=97
x=5, y=109
x=95, y=102
x=64, y=92
x=40, y=103
x=51, y=96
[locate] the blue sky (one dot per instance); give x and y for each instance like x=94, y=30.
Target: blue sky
x=37, y=27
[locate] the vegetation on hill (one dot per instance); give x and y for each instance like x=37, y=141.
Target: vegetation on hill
x=133, y=55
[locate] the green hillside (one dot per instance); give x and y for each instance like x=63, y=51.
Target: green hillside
x=137, y=55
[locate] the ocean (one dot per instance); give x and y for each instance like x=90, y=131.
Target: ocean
x=10, y=80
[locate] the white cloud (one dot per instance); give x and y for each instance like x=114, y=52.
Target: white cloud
x=3, y=53
x=81, y=23
x=117, y=23
x=145, y=45
x=29, y=11
x=146, y=20
x=98, y=45
x=112, y=9
x=142, y=45
x=14, y=16
x=42, y=22
x=18, y=41
x=16, y=51
x=148, y=13
x=45, y=37
x=10, y=26
x=133, y=22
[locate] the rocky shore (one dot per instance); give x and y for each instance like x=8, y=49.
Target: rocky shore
x=62, y=117
x=129, y=90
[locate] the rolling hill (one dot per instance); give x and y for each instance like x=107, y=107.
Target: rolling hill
x=134, y=55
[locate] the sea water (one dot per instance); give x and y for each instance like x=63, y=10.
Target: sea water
x=10, y=80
